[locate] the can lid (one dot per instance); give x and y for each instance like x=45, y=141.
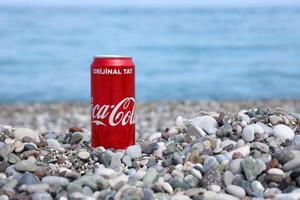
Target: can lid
x=112, y=61
x=111, y=56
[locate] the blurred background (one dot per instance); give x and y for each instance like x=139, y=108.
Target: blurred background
x=195, y=50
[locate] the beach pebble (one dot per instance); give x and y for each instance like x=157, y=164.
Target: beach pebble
x=150, y=148
x=55, y=180
x=37, y=187
x=295, y=163
x=249, y=132
x=134, y=151
x=150, y=176
x=29, y=179
x=252, y=167
x=76, y=137
x=84, y=155
x=228, y=177
x=20, y=133
x=154, y=137
x=207, y=123
x=284, y=132
x=180, y=197
x=53, y=143
x=41, y=195
x=127, y=160
x=275, y=171
x=236, y=191
x=274, y=119
x=26, y=165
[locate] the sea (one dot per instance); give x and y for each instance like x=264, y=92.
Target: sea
x=181, y=53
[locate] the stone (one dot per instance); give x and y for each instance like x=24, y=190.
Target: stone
x=212, y=177
x=148, y=193
x=209, y=162
x=235, y=166
x=29, y=179
x=283, y=132
x=206, y=123
x=228, y=177
x=54, y=144
x=244, y=151
x=105, y=172
x=105, y=159
x=223, y=196
x=257, y=189
x=75, y=129
x=22, y=132
x=293, y=164
x=127, y=161
x=26, y=165
x=178, y=184
x=236, y=191
x=252, y=167
x=180, y=197
x=55, y=180
x=150, y=176
x=275, y=171
x=154, y=137
x=134, y=151
x=196, y=173
x=84, y=155
x=191, y=180
x=116, y=160
x=13, y=158
x=249, y=132
x=41, y=195
x=167, y=187
x=274, y=119
x=150, y=148
x=118, y=181
x=177, y=159
x=76, y=137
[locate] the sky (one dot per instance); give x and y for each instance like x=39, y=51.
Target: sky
x=154, y=3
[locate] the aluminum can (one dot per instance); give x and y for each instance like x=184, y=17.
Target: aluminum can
x=112, y=101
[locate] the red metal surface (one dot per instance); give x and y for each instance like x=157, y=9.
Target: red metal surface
x=112, y=102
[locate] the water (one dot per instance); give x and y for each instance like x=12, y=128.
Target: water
x=189, y=53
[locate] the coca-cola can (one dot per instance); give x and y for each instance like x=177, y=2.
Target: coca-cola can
x=112, y=101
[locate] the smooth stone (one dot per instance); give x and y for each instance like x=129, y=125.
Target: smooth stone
x=207, y=123
x=296, y=140
x=148, y=193
x=196, y=173
x=209, y=162
x=268, y=130
x=275, y=171
x=244, y=117
x=37, y=187
x=283, y=132
x=54, y=144
x=244, y=151
x=150, y=148
x=29, y=179
x=175, y=183
x=50, y=135
x=76, y=137
x=118, y=181
x=191, y=180
x=127, y=160
x=180, y=197
x=13, y=158
x=134, y=151
x=192, y=192
x=87, y=191
x=249, y=132
x=154, y=137
x=293, y=164
x=228, y=177
x=105, y=159
x=22, y=132
x=151, y=163
x=257, y=189
x=236, y=191
x=30, y=146
x=26, y=165
x=177, y=159
x=41, y=195
x=274, y=119
x=223, y=196
x=55, y=180
x=150, y=176
x=105, y=172
x=167, y=187
x=252, y=167
x=235, y=166
x=84, y=155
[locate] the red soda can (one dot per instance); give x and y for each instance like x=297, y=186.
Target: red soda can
x=112, y=101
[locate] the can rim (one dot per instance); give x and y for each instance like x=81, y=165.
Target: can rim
x=112, y=56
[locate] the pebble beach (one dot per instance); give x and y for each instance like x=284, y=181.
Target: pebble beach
x=185, y=150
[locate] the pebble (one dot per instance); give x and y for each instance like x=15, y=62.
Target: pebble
x=55, y=180
x=150, y=176
x=257, y=189
x=127, y=160
x=252, y=167
x=180, y=197
x=13, y=158
x=236, y=191
x=207, y=123
x=26, y=165
x=274, y=119
x=53, y=143
x=37, y=187
x=249, y=132
x=235, y=166
x=228, y=177
x=293, y=164
x=76, y=137
x=41, y=195
x=148, y=193
x=275, y=171
x=284, y=132
x=134, y=151
x=29, y=179
x=150, y=148
x=23, y=132
x=84, y=155
x=212, y=177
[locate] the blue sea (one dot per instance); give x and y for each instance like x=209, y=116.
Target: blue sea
x=194, y=53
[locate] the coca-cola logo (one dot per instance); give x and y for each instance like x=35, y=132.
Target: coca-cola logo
x=122, y=113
